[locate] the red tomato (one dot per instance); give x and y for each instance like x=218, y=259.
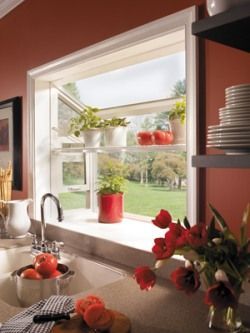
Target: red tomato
x=45, y=264
x=30, y=273
x=55, y=274
x=163, y=137
x=145, y=138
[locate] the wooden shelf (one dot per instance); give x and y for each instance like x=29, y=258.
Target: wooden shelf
x=221, y=161
x=230, y=28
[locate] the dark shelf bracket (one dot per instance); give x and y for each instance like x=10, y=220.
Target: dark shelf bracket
x=230, y=28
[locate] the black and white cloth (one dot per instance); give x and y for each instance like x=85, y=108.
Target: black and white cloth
x=23, y=321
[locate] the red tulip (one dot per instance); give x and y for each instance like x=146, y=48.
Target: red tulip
x=221, y=295
x=145, y=277
x=197, y=235
x=163, y=249
x=162, y=219
x=186, y=279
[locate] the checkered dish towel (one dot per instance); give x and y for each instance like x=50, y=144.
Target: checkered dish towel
x=23, y=321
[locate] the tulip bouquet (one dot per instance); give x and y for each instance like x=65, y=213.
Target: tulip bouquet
x=213, y=255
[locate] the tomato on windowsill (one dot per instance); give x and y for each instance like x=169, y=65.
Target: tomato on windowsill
x=162, y=137
x=145, y=138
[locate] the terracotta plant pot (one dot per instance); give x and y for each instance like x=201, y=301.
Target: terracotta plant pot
x=110, y=208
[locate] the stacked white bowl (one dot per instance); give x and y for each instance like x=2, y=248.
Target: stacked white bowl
x=233, y=132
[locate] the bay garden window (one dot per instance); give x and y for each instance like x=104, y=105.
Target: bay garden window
x=142, y=76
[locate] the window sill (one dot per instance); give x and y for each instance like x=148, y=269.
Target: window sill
x=132, y=233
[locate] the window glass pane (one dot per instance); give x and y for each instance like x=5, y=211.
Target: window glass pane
x=146, y=81
x=70, y=181
x=73, y=200
x=65, y=113
x=156, y=180
x=73, y=173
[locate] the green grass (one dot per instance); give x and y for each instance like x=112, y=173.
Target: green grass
x=72, y=200
x=139, y=199
x=149, y=199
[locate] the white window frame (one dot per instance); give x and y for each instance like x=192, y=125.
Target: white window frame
x=40, y=92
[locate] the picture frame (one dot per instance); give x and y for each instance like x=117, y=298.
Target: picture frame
x=11, y=138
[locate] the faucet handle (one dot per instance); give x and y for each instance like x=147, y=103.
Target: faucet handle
x=56, y=248
x=34, y=238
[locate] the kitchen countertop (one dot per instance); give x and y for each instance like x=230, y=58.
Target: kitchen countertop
x=163, y=309
x=6, y=244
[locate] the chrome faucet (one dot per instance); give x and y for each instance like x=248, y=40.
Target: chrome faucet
x=59, y=213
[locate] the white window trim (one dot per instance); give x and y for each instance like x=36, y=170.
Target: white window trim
x=39, y=83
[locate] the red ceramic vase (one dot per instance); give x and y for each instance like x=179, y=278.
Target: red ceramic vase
x=110, y=208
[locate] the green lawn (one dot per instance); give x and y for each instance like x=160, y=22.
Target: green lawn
x=139, y=199
x=149, y=199
x=72, y=200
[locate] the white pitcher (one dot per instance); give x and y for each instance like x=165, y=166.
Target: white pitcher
x=18, y=221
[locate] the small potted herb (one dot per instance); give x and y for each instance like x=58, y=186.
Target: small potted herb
x=115, y=132
x=110, y=191
x=89, y=124
x=177, y=120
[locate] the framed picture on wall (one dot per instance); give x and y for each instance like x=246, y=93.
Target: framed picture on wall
x=11, y=138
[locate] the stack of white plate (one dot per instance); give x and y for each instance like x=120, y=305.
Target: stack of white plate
x=233, y=132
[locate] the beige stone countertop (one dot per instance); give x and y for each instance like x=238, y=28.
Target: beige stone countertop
x=161, y=310
x=6, y=244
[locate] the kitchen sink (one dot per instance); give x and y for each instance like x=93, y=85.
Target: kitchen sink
x=88, y=273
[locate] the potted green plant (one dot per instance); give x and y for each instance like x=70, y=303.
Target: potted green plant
x=177, y=120
x=115, y=132
x=89, y=124
x=110, y=191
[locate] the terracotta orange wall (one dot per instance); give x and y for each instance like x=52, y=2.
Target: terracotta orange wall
x=39, y=31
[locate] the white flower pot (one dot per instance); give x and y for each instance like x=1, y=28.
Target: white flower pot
x=115, y=136
x=92, y=137
x=218, y=6
x=179, y=131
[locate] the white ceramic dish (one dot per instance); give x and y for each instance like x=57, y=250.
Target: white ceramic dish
x=237, y=127
x=235, y=114
x=215, y=7
x=227, y=136
x=237, y=93
x=233, y=109
x=239, y=105
x=242, y=86
x=229, y=102
x=235, y=122
x=228, y=141
x=237, y=90
x=230, y=145
x=228, y=130
x=232, y=150
x=239, y=99
x=228, y=118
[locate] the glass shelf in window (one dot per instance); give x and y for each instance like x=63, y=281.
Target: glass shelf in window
x=136, y=148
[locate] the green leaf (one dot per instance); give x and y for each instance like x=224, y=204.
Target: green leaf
x=244, y=224
x=186, y=223
x=219, y=218
x=222, y=224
